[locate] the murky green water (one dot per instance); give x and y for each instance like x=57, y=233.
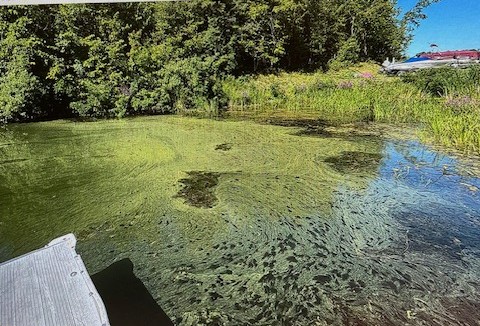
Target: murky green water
x=239, y=223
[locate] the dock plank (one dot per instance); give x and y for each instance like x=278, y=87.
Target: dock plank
x=49, y=286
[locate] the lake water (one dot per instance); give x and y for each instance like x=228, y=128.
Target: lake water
x=241, y=223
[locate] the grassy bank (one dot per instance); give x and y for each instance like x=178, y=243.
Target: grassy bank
x=444, y=103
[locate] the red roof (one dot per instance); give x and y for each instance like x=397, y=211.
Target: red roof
x=445, y=55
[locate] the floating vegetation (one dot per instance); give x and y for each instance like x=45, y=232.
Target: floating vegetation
x=324, y=129
x=224, y=147
x=293, y=233
x=315, y=132
x=199, y=189
x=354, y=162
x=310, y=127
x=303, y=123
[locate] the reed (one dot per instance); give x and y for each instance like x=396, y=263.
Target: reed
x=450, y=117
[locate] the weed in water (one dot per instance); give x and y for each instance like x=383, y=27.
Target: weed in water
x=356, y=162
x=198, y=189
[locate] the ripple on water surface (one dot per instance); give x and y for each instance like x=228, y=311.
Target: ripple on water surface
x=284, y=229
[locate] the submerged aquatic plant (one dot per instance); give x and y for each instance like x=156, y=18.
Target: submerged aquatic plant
x=198, y=189
x=290, y=239
x=356, y=162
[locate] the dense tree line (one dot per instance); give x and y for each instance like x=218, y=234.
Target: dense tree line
x=130, y=58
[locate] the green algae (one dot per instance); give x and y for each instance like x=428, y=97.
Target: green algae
x=198, y=189
x=291, y=229
x=223, y=147
x=352, y=162
x=65, y=176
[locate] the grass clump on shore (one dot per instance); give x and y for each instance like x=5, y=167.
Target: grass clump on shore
x=444, y=101
x=456, y=120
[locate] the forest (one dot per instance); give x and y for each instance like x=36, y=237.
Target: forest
x=114, y=60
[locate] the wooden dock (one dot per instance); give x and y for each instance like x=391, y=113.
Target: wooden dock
x=48, y=287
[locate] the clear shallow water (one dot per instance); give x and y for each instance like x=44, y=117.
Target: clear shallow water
x=303, y=230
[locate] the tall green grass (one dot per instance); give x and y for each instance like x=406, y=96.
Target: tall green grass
x=444, y=81
x=450, y=117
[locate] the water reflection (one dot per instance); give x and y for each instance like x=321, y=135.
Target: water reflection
x=127, y=300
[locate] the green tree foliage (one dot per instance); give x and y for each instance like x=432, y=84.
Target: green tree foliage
x=94, y=64
x=261, y=36
x=110, y=60
x=24, y=57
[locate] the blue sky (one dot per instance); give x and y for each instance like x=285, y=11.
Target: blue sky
x=451, y=24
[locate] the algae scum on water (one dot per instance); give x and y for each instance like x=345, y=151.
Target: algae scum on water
x=240, y=223
x=198, y=189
